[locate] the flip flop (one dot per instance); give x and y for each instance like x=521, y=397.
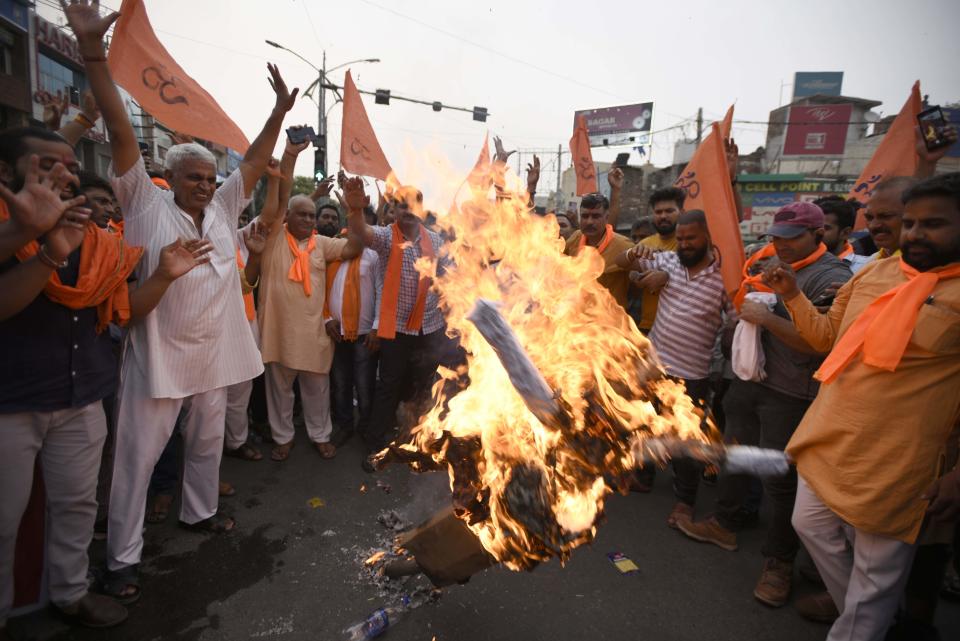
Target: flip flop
x=159, y=511
x=245, y=452
x=281, y=452
x=115, y=585
x=226, y=489
x=326, y=450
x=216, y=524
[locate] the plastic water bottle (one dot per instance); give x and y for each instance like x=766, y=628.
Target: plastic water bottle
x=377, y=623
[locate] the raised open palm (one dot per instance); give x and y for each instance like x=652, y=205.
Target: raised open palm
x=85, y=19
x=37, y=207
x=285, y=97
x=180, y=256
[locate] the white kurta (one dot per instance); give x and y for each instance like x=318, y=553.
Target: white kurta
x=197, y=338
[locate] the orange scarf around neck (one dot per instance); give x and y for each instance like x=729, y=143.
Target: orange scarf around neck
x=350, y=306
x=754, y=282
x=604, y=242
x=883, y=329
x=248, y=307
x=846, y=251
x=300, y=269
x=105, y=263
x=391, y=286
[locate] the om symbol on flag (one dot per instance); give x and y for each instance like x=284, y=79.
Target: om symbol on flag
x=866, y=187
x=585, y=165
x=357, y=148
x=688, y=183
x=155, y=78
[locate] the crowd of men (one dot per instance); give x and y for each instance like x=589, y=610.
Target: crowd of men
x=140, y=315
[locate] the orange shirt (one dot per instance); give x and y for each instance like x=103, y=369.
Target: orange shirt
x=873, y=440
x=614, y=278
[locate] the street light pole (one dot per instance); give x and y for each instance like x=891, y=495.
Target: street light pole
x=321, y=120
x=320, y=155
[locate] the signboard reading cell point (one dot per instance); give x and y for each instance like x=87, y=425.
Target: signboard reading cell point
x=817, y=130
x=626, y=124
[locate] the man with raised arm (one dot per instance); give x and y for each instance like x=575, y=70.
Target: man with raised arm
x=197, y=342
x=411, y=326
x=293, y=337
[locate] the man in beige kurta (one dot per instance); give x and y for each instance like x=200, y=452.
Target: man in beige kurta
x=294, y=343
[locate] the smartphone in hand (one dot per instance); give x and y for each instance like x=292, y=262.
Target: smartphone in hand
x=932, y=127
x=300, y=135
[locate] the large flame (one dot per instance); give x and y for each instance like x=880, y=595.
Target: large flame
x=532, y=491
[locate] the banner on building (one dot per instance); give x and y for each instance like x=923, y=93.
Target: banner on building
x=817, y=130
x=817, y=83
x=626, y=124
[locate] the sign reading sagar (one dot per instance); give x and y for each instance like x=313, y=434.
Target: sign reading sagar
x=611, y=125
x=817, y=130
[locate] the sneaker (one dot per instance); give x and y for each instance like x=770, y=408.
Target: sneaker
x=773, y=587
x=680, y=512
x=818, y=607
x=709, y=531
x=94, y=611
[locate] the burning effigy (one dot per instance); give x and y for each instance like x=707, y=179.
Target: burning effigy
x=560, y=399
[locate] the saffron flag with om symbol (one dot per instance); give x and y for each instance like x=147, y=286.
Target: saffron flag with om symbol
x=706, y=179
x=360, y=152
x=895, y=156
x=142, y=66
x=583, y=159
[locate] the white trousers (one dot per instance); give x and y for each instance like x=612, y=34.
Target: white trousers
x=69, y=443
x=864, y=573
x=237, y=420
x=144, y=426
x=314, y=395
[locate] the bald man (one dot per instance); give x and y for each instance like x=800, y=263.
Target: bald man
x=294, y=342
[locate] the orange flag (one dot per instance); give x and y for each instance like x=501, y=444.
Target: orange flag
x=896, y=155
x=479, y=177
x=360, y=152
x=583, y=159
x=706, y=179
x=142, y=66
x=727, y=124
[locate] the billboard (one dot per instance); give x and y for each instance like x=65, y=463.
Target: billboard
x=812, y=83
x=817, y=130
x=627, y=124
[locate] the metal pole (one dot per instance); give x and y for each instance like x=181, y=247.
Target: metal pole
x=322, y=114
x=559, y=173
x=699, y=125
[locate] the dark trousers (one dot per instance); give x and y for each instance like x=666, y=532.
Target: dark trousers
x=354, y=371
x=166, y=473
x=407, y=368
x=760, y=416
x=686, y=472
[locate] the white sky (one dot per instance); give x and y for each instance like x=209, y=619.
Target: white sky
x=555, y=57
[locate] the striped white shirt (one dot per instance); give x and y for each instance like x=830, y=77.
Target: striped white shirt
x=197, y=338
x=689, y=317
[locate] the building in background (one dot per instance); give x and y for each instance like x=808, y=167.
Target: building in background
x=15, y=83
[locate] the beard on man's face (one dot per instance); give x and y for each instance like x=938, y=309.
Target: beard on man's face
x=690, y=257
x=924, y=256
x=328, y=229
x=664, y=227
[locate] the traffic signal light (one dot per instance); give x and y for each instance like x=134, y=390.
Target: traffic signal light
x=480, y=114
x=382, y=97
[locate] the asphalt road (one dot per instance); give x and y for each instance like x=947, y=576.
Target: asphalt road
x=293, y=571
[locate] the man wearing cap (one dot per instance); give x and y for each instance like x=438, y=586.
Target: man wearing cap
x=766, y=413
